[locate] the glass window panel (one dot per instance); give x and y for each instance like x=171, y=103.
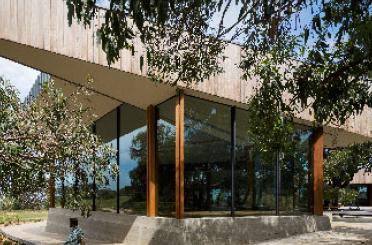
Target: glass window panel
x=133, y=160
x=165, y=154
x=207, y=158
x=363, y=194
x=106, y=128
x=255, y=182
x=302, y=171
x=295, y=174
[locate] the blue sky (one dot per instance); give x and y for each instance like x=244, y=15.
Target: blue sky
x=20, y=76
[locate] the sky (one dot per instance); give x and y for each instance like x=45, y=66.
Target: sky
x=20, y=76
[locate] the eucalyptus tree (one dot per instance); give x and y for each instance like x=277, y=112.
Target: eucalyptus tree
x=19, y=163
x=341, y=165
x=318, y=52
x=48, y=140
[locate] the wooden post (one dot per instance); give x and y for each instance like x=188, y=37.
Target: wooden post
x=151, y=163
x=180, y=159
x=317, y=143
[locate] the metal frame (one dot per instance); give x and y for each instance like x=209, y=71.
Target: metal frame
x=277, y=175
x=118, y=158
x=233, y=158
x=94, y=178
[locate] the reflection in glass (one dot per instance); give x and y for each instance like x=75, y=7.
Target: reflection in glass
x=255, y=183
x=165, y=154
x=133, y=157
x=363, y=194
x=106, y=128
x=295, y=174
x=207, y=158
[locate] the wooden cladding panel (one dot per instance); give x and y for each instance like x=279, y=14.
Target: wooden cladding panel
x=180, y=155
x=151, y=163
x=43, y=24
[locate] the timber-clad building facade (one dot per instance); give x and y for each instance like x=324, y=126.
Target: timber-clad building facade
x=183, y=151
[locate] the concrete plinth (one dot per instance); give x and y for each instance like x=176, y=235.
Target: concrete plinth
x=129, y=229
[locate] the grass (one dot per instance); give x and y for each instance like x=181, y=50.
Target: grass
x=21, y=216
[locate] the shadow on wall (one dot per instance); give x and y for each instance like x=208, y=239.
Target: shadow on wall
x=103, y=226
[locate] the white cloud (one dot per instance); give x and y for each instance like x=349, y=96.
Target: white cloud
x=22, y=77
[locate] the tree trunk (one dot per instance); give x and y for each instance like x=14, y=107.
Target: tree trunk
x=52, y=190
x=63, y=191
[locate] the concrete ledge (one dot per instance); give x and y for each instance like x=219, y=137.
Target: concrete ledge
x=129, y=229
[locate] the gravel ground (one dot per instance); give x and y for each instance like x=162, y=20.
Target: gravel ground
x=344, y=231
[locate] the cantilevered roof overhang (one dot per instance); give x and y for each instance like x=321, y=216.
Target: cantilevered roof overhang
x=36, y=33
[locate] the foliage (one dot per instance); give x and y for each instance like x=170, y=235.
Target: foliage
x=6, y=203
x=340, y=167
x=348, y=196
x=316, y=52
x=343, y=196
x=9, y=217
x=270, y=132
x=48, y=141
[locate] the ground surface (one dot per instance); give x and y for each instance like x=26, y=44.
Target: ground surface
x=20, y=216
x=344, y=232
x=33, y=233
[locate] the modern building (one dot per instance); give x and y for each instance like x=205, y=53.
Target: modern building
x=36, y=87
x=183, y=151
x=362, y=182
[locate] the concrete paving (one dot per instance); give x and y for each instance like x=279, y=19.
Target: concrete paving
x=35, y=234
x=348, y=231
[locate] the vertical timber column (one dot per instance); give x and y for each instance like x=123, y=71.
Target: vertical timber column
x=151, y=163
x=317, y=169
x=180, y=155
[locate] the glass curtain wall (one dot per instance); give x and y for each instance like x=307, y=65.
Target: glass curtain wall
x=207, y=158
x=207, y=173
x=132, y=160
x=165, y=157
x=106, y=128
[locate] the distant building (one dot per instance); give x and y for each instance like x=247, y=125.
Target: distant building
x=36, y=87
x=362, y=182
